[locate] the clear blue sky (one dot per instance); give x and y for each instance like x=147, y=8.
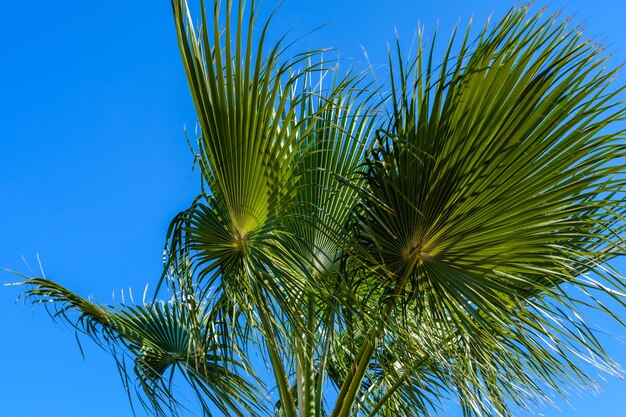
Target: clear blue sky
x=95, y=164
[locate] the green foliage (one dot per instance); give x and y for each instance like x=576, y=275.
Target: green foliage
x=440, y=241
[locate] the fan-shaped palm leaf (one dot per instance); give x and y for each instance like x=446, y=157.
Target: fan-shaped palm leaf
x=496, y=183
x=162, y=339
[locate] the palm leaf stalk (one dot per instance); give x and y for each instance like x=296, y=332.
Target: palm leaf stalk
x=442, y=241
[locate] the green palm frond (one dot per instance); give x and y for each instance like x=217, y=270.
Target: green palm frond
x=497, y=183
x=247, y=145
x=162, y=339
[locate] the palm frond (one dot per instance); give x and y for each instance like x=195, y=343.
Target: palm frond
x=161, y=339
x=497, y=184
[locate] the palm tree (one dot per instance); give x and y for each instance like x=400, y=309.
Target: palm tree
x=381, y=254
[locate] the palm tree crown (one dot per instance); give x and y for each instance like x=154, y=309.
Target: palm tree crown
x=382, y=253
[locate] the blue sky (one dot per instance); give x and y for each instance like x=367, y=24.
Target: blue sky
x=95, y=164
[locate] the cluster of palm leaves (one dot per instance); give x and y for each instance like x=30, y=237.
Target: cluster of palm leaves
x=381, y=249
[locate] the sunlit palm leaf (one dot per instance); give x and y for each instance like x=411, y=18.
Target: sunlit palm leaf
x=497, y=183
